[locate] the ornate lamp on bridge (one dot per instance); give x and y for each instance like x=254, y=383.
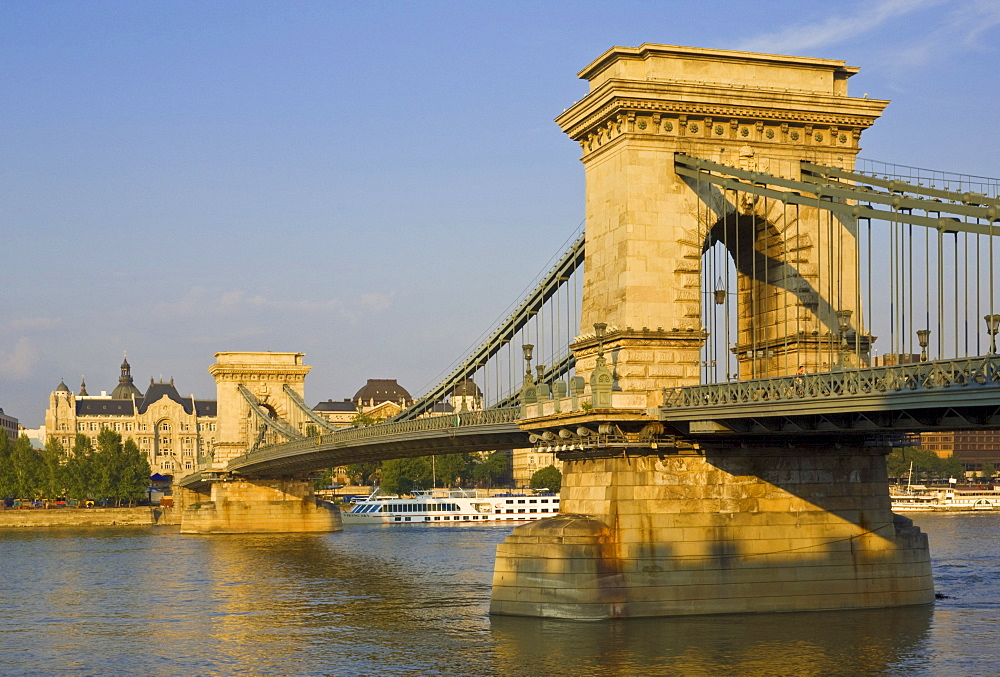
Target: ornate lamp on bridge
x=527, y=348
x=924, y=339
x=992, y=327
x=599, y=329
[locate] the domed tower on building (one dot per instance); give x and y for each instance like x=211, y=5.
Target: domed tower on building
x=125, y=390
x=466, y=396
x=61, y=415
x=381, y=398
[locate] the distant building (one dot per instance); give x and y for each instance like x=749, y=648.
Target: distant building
x=526, y=462
x=9, y=425
x=379, y=399
x=971, y=447
x=172, y=430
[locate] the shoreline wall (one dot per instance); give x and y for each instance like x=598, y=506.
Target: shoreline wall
x=85, y=517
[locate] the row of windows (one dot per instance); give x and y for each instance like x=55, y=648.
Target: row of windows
x=126, y=426
x=455, y=518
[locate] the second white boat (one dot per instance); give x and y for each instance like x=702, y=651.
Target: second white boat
x=451, y=506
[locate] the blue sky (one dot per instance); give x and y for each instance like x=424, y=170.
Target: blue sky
x=370, y=183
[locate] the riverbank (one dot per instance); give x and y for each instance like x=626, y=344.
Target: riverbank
x=86, y=517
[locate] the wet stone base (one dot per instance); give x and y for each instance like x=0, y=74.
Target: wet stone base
x=265, y=506
x=763, y=531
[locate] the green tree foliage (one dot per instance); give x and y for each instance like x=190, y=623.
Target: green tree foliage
x=491, y=470
x=6, y=467
x=404, y=475
x=79, y=471
x=114, y=471
x=362, y=420
x=987, y=471
x=27, y=465
x=449, y=469
x=120, y=470
x=364, y=473
x=325, y=480
x=926, y=465
x=52, y=480
x=133, y=481
x=548, y=477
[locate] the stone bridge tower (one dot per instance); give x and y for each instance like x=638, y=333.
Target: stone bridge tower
x=647, y=227
x=264, y=374
x=698, y=526
x=223, y=503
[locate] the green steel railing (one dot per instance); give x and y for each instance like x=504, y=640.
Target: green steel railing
x=345, y=436
x=974, y=372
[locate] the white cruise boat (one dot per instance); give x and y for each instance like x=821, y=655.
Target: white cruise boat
x=448, y=506
x=920, y=499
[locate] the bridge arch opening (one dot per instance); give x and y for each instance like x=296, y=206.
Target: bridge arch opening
x=769, y=301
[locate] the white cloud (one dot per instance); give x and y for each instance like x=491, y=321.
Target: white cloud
x=19, y=362
x=836, y=29
x=378, y=301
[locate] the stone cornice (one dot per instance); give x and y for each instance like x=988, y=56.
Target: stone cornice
x=684, y=98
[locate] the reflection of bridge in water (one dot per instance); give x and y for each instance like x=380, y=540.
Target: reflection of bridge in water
x=724, y=417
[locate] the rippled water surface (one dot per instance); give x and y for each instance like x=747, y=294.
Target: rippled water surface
x=404, y=600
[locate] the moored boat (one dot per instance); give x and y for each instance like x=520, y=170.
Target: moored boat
x=920, y=499
x=451, y=506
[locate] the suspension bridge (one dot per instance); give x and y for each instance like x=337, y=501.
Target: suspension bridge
x=751, y=319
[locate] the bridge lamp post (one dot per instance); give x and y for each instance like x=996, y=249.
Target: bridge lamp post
x=923, y=338
x=992, y=327
x=844, y=324
x=599, y=329
x=527, y=348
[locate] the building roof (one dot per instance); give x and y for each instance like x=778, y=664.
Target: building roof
x=466, y=388
x=382, y=390
x=345, y=405
x=157, y=391
x=206, y=408
x=105, y=407
x=62, y=387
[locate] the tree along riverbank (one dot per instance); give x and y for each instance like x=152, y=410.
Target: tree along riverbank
x=86, y=517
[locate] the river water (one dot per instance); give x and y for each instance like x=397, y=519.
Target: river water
x=413, y=600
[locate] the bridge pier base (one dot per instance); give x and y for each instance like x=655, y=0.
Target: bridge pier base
x=728, y=531
x=257, y=506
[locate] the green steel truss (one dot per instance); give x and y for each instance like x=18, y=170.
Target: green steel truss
x=852, y=196
x=504, y=333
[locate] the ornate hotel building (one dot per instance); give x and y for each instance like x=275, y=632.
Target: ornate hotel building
x=174, y=431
